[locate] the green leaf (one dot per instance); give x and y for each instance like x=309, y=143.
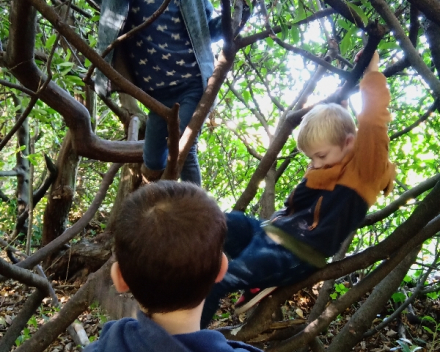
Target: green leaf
x=398, y=297
x=294, y=34
x=359, y=11
x=269, y=42
x=348, y=40
x=51, y=41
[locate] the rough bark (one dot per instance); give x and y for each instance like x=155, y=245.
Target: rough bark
x=430, y=8
x=61, y=193
x=433, y=36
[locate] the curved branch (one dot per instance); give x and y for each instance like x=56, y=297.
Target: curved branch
x=414, y=192
x=430, y=8
x=413, y=56
x=18, y=87
x=20, y=61
x=24, y=276
x=345, y=11
x=424, y=117
x=243, y=42
x=72, y=231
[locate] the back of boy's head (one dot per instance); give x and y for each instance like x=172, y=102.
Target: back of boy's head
x=168, y=242
x=325, y=123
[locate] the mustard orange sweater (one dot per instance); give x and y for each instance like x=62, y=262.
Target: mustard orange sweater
x=330, y=203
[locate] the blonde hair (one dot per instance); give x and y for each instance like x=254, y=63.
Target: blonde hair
x=328, y=123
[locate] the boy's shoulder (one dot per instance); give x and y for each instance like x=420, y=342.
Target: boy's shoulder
x=213, y=341
x=130, y=335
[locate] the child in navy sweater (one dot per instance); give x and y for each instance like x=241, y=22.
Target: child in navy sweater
x=168, y=246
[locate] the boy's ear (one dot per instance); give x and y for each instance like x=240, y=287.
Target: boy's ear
x=349, y=141
x=223, y=268
x=118, y=280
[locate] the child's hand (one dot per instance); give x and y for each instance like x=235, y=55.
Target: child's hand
x=373, y=66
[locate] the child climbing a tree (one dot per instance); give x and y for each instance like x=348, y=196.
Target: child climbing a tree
x=347, y=172
x=168, y=246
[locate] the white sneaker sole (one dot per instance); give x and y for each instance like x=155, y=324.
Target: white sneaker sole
x=248, y=305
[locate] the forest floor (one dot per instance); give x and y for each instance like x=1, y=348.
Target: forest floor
x=13, y=295
x=406, y=330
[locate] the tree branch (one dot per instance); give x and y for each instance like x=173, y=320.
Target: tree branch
x=430, y=8
x=413, y=56
x=414, y=192
x=345, y=11
x=171, y=171
x=72, y=231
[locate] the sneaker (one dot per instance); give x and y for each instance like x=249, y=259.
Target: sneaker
x=251, y=297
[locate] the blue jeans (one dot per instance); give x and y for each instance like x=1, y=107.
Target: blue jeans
x=257, y=262
x=156, y=132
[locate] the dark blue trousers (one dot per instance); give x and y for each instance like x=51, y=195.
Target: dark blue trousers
x=256, y=261
x=156, y=131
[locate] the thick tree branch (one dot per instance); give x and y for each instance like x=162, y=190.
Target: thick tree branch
x=413, y=56
x=24, y=276
x=20, y=61
x=345, y=11
x=430, y=8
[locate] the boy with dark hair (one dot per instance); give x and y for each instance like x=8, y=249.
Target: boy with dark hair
x=348, y=170
x=168, y=246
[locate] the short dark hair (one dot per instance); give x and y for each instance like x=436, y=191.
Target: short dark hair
x=168, y=242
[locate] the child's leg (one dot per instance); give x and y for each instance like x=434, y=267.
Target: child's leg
x=156, y=133
x=241, y=230
x=262, y=264
x=188, y=100
x=155, y=142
